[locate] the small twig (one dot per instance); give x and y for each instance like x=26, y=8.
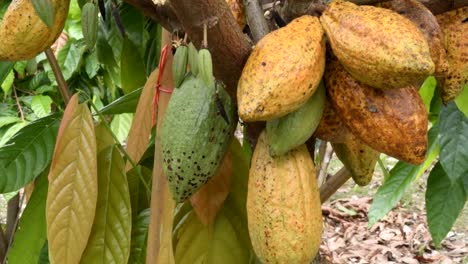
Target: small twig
x=205, y=36
x=255, y=19
x=326, y=158
x=62, y=84
x=20, y=109
x=13, y=217
x=333, y=184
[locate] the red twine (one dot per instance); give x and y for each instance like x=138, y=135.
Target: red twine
x=159, y=87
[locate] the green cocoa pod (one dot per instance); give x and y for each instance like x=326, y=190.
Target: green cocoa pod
x=205, y=66
x=193, y=59
x=358, y=158
x=179, y=65
x=194, y=136
x=294, y=129
x=89, y=24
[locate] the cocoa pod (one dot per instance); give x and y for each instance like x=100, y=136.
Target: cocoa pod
x=358, y=158
x=205, y=66
x=283, y=71
x=455, y=27
x=283, y=205
x=179, y=65
x=392, y=121
x=377, y=46
x=330, y=127
x=423, y=18
x=193, y=59
x=89, y=24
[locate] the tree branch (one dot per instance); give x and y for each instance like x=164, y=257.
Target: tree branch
x=228, y=45
x=255, y=19
x=164, y=14
x=333, y=184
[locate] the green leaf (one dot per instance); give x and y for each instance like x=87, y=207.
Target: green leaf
x=8, y=120
x=400, y=179
x=125, y=104
x=8, y=83
x=45, y=10
x=120, y=125
x=139, y=238
x=132, y=68
x=461, y=100
x=89, y=24
x=70, y=57
x=445, y=200
x=134, y=23
x=31, y=234
x=139, y=197
x=41, y=105
x=44, y=255
x=427, y=91
x=28, y=153
x=110, y=237
x=92, y=64
x=453, y=140
x=5, y=69
x=11, y=131
x=104, y=50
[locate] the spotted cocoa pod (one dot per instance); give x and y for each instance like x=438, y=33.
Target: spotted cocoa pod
x=283, y=71
x=455, y=27
x=392, y=121
x=377, y=46
x=330, y=127
x=283, y=205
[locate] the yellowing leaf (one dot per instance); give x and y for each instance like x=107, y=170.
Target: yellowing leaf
x=140, y=131
x=210, y=198
x=104, y=137
x=110, y=237
x=72, y=194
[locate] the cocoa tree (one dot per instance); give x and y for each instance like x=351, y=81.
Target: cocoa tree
x=82, y=130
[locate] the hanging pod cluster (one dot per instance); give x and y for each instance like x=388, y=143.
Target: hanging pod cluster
x=23, y=34
x=350, y=77
x=198, y=125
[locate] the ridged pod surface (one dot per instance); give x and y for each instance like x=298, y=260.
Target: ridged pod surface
x=423, y=18
x=283, y=71
x=23, y=35
x=294, y=129
x=392, y=121
x=377, y=46
x=455, y=26
x=330, y=127
x=283, y=206
x=194, y=136
x=358, y=158
x=179, y=64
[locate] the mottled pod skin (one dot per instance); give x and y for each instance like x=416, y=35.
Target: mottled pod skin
x=23, y=35
x=330, y=128
x=423, y=18
x=455, y=27
x=377, y=46
x=283, y=71
x=358, y=158
x=283, y=206
x=392, y=121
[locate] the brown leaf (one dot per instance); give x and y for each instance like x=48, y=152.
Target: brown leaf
x=210, y=198
x=140, y=131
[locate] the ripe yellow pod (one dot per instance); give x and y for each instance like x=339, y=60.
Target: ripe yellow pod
x=23, y=35
x=283, y=71
x=283, y=206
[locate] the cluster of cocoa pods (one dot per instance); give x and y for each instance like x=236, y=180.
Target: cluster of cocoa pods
x=350, y=77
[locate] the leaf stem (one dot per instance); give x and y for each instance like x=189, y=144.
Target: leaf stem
x=119, y=146
x=20, y=109
x=62, y=84
x=383, y=168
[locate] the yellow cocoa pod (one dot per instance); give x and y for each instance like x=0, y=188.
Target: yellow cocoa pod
x=455, y=27
x=23, y=35
x=358, y=158
x=283, y=71
x=423, y=18
x=283, y=205
x=330, y=127
x=377, y=46
x=392, y=121
x=237, y=10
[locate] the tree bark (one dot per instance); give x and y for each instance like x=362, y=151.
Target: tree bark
x=226, y=42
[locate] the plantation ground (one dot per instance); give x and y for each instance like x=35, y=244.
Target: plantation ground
x=401, y=237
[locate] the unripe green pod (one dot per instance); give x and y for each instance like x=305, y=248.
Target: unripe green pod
x=293, y=130
x=89, y=24
x=193, y=59
x=205, y=66
x=179, y=65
